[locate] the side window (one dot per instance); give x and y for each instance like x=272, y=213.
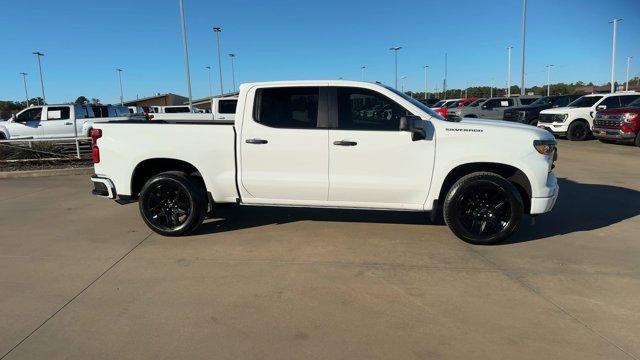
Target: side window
x=562, y=101
x=227, y=106
x=31, y=114
x=611, y=102
x=58, y=113
x=81, y=112
x=626, y=100
x=287, y=107
x=362, y=109
x=490, y=104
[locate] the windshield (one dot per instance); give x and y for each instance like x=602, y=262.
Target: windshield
x=454, y=104
x=542, y=101
x=585, y=101
x=417, y=103
x=438, y=104
x=634, y=103
x=476, y=103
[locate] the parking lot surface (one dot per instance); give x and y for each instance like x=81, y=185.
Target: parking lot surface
x=84, y=278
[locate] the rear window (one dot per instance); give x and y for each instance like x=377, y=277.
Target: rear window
x=227, y=106
x=290, y=107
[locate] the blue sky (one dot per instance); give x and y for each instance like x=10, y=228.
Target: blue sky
x=274, y=40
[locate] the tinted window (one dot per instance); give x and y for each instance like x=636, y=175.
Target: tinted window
x=635, y=103
x=585, y=101
x=611, y=102
x=543, y=101
x=527, y=101
x=626, y=100
x=497, y=103
x=227, y=106
x=362, y=109
x=82, y=112
x=31, y=114
x=438, y=104
x=293, y=107
x=562, y=101
x=173, y=110
x=58, y=113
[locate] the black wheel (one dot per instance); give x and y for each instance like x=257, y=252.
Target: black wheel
x=172, y=203
x=533, y=122
x=637, y=142
x=578, y=131
x=483, y=208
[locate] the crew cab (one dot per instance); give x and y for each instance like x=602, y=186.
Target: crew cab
x=57, y=121
x=221, y=109
x=618, y=125
x=528, y=114
x=331, y=144
x=492, y=108
x=576, y=120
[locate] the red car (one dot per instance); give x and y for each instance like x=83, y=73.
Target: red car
x=466, y=101
x=442, y=106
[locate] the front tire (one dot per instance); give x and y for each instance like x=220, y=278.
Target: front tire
x=173, y=203
x=483, y=208
x=637, y=142
x=578, y=131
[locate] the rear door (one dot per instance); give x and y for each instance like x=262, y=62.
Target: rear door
x=372, y=164
x=283, y=149
x=58, y=122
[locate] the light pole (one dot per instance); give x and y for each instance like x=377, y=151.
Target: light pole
x=24, y=80
x=119, y=71
x=210, y=84
x=426, y=89
x=613, y=54
x=403, y=79
x=549, y=79
x=362, y=72
x=185, y=49
x=38, y=56
x=395, y=54
x=444, y=84
x=626, y=86
x=233, y=72
x=509, y=70
x=218, y=30
x=524, y=41
x=491, y=90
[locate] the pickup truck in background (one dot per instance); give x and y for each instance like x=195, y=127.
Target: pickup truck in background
x=57, y=121
x=328, y=144
x=221, y=109
x=528, y=114
x=576, y=120
x=492, y=108
x=619, y=125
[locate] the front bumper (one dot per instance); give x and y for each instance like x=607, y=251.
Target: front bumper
x=541, y=205
x=103, y=187
x=554, y=128
x=613, y=134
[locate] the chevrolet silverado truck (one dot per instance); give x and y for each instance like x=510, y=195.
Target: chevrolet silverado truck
x=528, y=114
x=619, y=125
x=329, y=144
x=575, y=121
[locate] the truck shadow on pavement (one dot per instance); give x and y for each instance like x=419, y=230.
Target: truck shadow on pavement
x=580, y=207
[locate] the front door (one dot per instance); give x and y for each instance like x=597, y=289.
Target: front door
x=284, y=155
x=28, y=124
x=372, y=164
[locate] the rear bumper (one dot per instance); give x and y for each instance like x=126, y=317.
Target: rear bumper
x=541, y=205
x=103, y=187
x=613, y=134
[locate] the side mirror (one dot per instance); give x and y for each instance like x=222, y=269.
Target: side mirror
x=414, y=125
x=601, y=107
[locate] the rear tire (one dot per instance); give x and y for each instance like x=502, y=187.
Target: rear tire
x=483, y=208
x=578, y=131
x=173, y=203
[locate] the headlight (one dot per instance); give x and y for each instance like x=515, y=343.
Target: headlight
x=561, y=117
x=629, y=118
x=545, y=147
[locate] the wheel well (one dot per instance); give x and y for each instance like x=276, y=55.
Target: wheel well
x=579, y=120
x=2, y=136
x=151, y=167
x=512, y=174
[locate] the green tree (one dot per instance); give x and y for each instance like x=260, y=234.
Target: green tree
x=81, y=100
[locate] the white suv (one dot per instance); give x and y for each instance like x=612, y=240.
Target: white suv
x=575, y=121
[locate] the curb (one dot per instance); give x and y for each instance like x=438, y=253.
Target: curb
x=47, y=172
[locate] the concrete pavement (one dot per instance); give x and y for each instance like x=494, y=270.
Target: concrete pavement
x=82, y=277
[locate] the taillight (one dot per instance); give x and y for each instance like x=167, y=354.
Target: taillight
x=95, y=150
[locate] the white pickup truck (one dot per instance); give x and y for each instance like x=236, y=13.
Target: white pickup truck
x=335, y=144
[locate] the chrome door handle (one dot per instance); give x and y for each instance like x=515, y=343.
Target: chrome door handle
x=345, y=143
x=256, y=141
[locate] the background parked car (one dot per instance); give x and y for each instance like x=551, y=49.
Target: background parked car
x=618, y=125
x=492, y=108
x=529, y=114
x=576, y=120
x=442, y=107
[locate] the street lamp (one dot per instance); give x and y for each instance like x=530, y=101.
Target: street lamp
x=444, y=83
x=233, y=72
x=38, y=56
x=626, y=86
x=509, y=70
x=185, y=49
x=218, y=30
x=119, y=71
x=613, y=53
x=426, y=89
x=524, y=40
x=549, y=79
x=210, y=86
x=395, y=54
x=362, y=72
x=403, y=79
x=24, y=80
